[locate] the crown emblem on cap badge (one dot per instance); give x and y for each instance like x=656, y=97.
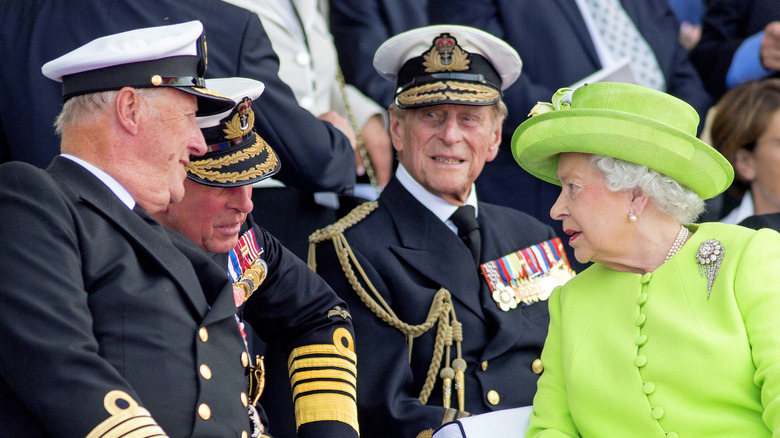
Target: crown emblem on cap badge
x=445, y=55
x=242, y=122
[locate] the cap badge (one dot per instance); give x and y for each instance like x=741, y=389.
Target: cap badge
x=445, y=55
x=242, y=121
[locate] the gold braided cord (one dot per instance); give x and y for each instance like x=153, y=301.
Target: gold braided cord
x=441, y=311
x=361, y=145
x=321, y=235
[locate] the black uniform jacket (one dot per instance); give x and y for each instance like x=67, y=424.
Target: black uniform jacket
x=102, y=316
x=295, y=309
x=408, y=254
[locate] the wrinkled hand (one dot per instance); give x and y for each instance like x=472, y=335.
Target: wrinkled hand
x=770, y=46
x=379, y=149
x=342, y=124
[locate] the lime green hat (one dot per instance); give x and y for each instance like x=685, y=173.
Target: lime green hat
x=625, y=121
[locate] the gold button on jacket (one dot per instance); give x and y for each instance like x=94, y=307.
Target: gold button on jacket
x=493, y=397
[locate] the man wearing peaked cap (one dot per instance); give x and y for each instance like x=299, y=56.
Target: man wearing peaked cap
x=158, y=57
x=277, y=294
x=110, y=324
x=433, y=68
x=428, y=258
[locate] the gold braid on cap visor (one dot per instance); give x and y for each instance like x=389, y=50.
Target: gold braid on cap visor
x=199, y=167
x=456, y=91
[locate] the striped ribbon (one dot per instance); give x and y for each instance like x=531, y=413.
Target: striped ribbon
x=525, y=264
x=246, y=251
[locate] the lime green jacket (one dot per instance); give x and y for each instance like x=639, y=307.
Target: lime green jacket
x=630, y=355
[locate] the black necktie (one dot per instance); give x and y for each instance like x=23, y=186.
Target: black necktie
x=465, y=219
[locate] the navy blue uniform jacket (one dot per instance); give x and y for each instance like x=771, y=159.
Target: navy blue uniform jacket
x=97, y=300
x=408, y=254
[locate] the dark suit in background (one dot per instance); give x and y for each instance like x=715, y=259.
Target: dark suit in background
x=770, y=220
x=725, y=25
x=79, y=267
x=409, y=254
x=359, y=27
x=557, y=51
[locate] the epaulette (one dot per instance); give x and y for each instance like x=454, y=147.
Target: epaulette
x=350, y=219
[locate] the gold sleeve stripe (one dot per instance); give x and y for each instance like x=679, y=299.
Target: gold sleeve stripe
x=322, y=362
x=324, y=386
x=341, y=336
x=132, y=421
x=321, y=350
x=326, y=407
x=136, y=429
x=329, y=374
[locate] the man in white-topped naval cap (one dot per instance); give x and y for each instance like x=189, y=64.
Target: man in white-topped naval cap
x=277, y=294
x=111, y=327
x=442, y=329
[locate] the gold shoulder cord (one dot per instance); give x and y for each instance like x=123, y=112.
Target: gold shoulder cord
x=449, y=330
x=361, y=146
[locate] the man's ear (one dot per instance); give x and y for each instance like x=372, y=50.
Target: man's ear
x=396, y=131
x=745, y=165
x=495, y=137
x=128, y=109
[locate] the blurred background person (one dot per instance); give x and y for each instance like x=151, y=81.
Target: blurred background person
x=740, y=41
x=746, y=130
x=688, y=13
x=359, y=27
x=308, y=63
x=668, y=307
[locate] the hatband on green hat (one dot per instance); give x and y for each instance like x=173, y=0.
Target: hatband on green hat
x=624, y=121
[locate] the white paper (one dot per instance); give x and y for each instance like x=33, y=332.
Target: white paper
x=506, y=423
x=617, y=72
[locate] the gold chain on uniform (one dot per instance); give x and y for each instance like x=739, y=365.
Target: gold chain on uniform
x=449, y=329
x=361, y=145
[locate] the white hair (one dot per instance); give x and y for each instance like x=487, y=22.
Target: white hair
x=669, y=196
x=81, y=108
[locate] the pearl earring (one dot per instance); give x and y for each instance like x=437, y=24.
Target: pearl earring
x=631, y=217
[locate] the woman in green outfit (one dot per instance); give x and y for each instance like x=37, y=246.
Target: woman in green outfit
x=674, y=329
